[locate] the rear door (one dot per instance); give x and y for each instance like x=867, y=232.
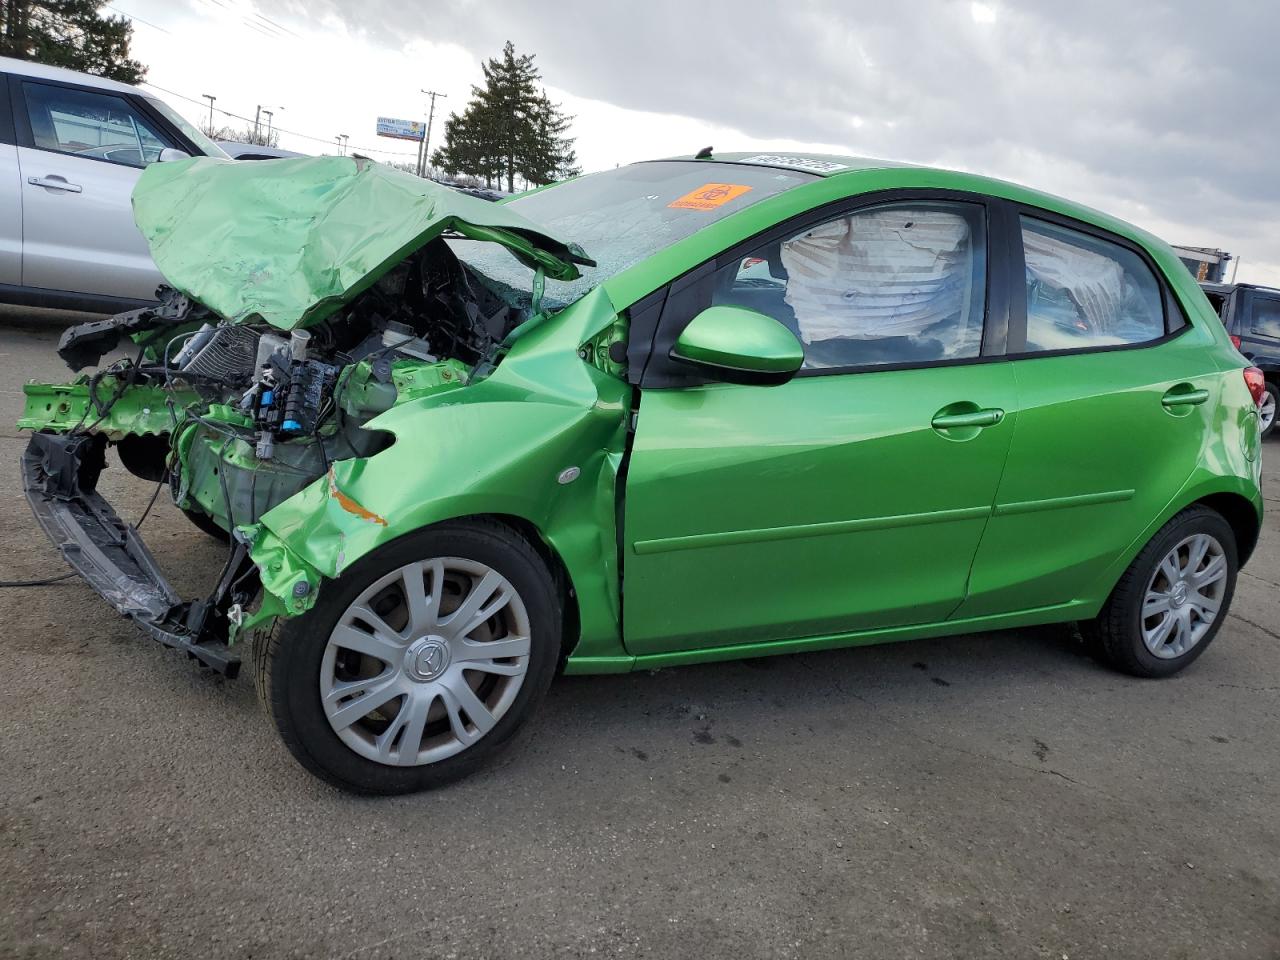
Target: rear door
x=854, y=496
x=10, y=196
x=80, y=151
x=1115, y=398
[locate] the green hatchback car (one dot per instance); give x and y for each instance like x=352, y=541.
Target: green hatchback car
x=687, y=410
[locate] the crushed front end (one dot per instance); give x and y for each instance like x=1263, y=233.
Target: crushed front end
x=251, y=381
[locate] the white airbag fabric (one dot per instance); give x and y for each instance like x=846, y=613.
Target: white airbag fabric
x=1094, y=282
x=879, y=273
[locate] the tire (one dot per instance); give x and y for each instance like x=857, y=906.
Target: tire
x=306, y=663
x=1271, y=397
x=207, y=525
x=1120, y=633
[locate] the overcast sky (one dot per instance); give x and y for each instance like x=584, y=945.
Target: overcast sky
x=1161, y=113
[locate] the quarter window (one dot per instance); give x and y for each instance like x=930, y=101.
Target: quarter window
x=1266, y=317
x=1085, y=292
x=892, y=284
x=97, y=125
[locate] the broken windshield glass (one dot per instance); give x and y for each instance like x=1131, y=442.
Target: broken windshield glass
x=622, y=216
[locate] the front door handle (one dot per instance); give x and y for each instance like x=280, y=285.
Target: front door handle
x=55, y=182
x=1181, y=397
x=976, y=418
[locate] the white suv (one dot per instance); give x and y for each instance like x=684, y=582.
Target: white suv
x=71, y=149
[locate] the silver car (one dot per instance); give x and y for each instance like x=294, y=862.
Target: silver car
x=71, y=149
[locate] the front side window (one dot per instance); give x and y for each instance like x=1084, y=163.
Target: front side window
x=192, y=132
x=1266, y=317
x=892, y=284
x=102, y=126
x=1085, y=292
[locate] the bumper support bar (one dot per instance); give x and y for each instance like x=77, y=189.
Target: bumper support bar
x=60, y=476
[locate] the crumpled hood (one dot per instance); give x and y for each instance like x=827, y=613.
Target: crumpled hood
x=291, y=241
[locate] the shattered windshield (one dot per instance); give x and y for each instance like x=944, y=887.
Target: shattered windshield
x=622, y=216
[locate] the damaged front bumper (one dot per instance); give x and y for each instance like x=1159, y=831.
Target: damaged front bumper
x=60, y=474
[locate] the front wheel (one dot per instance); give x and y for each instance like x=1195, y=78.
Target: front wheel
x=1171, y=602
x=419, y=663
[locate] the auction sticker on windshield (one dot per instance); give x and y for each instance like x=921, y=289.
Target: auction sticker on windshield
x=709, y=196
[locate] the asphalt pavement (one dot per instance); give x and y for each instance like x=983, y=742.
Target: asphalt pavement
x=997, y=795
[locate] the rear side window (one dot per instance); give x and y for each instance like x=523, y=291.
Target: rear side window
x=1084, y=292
x=1266, y=317
x=901, y=283
x=100, y=126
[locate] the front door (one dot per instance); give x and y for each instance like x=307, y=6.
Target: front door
x=80, y=153
x=852, y=497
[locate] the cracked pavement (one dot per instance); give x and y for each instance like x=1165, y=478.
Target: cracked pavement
x=995, y=795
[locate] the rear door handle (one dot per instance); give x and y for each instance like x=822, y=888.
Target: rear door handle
x=55, y=183
x=977, y=418
x=1184, y=398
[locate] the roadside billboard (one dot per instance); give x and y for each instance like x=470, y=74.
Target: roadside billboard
x=401, y=129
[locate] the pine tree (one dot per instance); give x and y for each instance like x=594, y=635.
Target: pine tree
x=509, y=128
x=549, y=154
x=69, y=33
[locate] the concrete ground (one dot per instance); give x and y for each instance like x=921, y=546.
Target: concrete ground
x=983, y=796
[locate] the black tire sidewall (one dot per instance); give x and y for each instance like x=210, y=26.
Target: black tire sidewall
x=1196, y=521
x=298, y=653
x=1274, y=390
x=206, y=525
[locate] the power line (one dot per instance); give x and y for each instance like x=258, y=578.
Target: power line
x=278, y=26
x=327, y=141
x=154, y=26
x=274, y=31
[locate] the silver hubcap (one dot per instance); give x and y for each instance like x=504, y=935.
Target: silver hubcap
x=1267, y=411
x=425, y=662
x=1184, y=596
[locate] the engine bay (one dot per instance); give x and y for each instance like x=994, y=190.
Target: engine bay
x=257, y=413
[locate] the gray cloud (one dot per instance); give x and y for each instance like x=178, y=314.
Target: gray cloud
x=1162, y=107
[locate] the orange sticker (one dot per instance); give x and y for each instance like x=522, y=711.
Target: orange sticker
x=709, y=196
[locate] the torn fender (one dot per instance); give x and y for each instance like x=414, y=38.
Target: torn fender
x=291, y=241
x=540, y=439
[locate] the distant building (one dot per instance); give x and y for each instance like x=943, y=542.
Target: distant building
x=1207, y=264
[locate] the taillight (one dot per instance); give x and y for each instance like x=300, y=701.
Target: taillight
x=1235, y=341
x=1256, y=382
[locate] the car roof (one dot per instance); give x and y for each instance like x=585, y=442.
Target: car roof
x=837, y=166
x=238, y=148
x=822, y=164
x=1228, y=287
x=38, y=71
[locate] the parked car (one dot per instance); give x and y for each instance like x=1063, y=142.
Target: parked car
x=687, y=410
x=255, y=151
x=71, y=148
x=1251, y=315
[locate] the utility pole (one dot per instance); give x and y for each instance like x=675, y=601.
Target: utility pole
x=210, y=97
x=424, y=154
x=270, y=116
x=257, y=121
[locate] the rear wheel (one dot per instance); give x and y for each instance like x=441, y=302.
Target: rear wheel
x=1172, y=600
x=1267, y=409
x=419, y=663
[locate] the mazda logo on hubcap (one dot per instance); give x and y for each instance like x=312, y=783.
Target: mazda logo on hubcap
x=427, y=659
